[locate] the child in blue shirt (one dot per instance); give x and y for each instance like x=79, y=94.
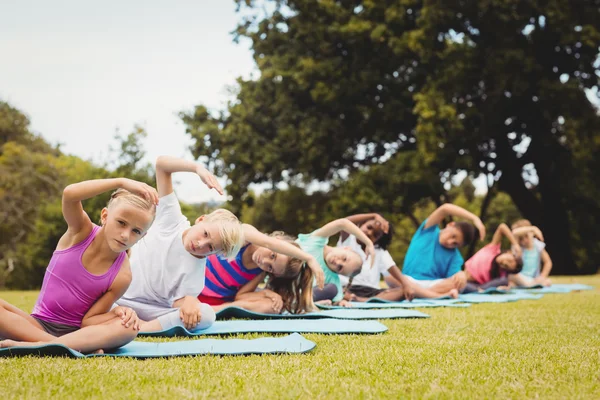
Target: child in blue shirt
x=433, y=260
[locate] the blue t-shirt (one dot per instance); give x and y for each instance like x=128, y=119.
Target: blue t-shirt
x=427, y=259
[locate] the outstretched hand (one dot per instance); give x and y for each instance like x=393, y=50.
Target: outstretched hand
x=141, y=189
x=317, y=271
x=209, y=179
x=480, y=227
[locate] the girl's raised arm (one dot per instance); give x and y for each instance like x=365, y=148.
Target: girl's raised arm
x=77, y=219
x=253, y=236
x=345, y=225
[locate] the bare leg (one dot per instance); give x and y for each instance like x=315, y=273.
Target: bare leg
x=444, y=287
x=150, y=326
x=257, y=304
x=520, y=280
x=111, y=334
x=18, y=325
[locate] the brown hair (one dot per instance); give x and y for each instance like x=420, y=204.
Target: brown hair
x=496, y=268
x=469, y=231
x=295, y=286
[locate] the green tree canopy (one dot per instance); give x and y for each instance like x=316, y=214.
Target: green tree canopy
x=494, y=87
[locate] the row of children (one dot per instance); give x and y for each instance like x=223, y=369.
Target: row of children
x=147, y=268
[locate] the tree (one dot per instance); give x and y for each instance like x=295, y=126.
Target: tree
x=494, y=87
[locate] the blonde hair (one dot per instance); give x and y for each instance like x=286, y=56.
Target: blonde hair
x=520, y=223
x=124, y=196
x=295, y=286
x=230, y=231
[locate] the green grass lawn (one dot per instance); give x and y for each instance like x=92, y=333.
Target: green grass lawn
x=548, y=348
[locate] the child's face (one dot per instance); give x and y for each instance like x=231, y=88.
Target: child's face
x=271, y=262
x=203, y=239
x=451, y=237
x=507, y=261
x=372, y=229
x=526, y=240
x=124, y=225
x=343, y=261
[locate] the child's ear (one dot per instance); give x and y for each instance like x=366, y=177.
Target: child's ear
x=103, y=216
x=200, y=218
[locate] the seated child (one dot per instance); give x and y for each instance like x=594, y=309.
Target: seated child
x=490, y=267
x=366, y=284
x=168, y=264
x=278, y=258
x=335, y=260
x=433, y=260
x=88, y=272
x=534, y=254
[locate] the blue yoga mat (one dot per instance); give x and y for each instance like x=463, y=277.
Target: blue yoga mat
x=555, y=288
x=497, y=298
x=418, y=303
x=329, y=325
x=293, y=343
x=348, y=313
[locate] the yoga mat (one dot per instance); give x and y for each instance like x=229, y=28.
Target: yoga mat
x=497, y=298
x=334, y=326
x=236, y=312
x=418, y=303
x=555, y=288
x=293, y=343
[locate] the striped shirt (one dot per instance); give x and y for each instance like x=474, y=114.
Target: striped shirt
x=225, y=277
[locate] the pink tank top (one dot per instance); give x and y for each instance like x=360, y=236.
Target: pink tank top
x=69, y=290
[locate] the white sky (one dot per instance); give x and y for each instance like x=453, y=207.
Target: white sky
x=80, y=70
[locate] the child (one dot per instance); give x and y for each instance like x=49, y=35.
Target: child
x=366, y=284
x=88, y=272
x=168, y=264
x=490, y=267
x=335, y=260
x=433, y=260
x=277, y=257
x=534, y=254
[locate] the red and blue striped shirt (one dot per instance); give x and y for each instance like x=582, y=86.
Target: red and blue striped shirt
x=224, y=278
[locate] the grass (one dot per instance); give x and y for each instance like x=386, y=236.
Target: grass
x=548, y=348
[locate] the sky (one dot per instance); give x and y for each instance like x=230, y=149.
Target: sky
x=81, y=70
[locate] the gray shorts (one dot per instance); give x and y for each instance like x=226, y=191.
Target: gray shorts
x=56, y=329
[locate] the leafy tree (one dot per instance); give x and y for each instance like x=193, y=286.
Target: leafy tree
x=494, y=87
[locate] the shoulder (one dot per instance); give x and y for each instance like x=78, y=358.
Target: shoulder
x=124, y=275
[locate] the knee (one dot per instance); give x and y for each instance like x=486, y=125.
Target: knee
x=207, y=316
x=126, y=334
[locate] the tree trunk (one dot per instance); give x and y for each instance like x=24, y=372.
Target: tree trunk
x=491, y=193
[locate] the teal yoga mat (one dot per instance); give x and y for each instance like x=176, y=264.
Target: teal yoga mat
x=419, y=303
x=555, y=288
x=293, y=343
x=497, y=298
x=329, y=325
x=236, y=312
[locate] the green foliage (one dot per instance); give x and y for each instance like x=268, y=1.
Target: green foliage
x=475, y=86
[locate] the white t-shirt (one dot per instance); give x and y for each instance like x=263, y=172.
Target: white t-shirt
x=162, y=270
x=368, y=276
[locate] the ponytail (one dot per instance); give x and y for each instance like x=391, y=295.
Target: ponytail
x=296, y=292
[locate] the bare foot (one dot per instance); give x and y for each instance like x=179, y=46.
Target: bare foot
x=324, y=302
x=99, y=351
x=453, y=293
x=13, y=343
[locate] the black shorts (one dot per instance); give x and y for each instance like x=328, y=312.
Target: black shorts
x=364, y=291
x=56, y=329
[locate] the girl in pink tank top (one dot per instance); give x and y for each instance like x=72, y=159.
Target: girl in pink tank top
x=88, y=272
